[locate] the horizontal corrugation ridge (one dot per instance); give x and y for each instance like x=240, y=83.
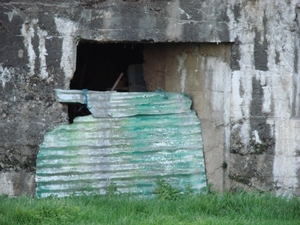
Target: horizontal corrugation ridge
x=116, y=104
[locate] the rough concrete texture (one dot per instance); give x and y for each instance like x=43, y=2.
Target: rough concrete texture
x=247, y=95
x=262, y=99
x=190, y=68
x=154, y=66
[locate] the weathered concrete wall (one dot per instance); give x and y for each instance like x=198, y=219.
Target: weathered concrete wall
x=264, y=134
x=250, y=102
x=190, y=68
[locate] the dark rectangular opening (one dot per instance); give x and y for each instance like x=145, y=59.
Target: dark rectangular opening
x=99, y=66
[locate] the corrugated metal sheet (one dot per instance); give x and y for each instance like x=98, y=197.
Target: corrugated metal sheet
x=122, y=104
x=133, y=152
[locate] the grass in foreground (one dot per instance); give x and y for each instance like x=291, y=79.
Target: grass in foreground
x=211, y=208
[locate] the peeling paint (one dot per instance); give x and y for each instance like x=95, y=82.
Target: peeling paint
x=182, y=12
x=11, y=14
x=275, y=80
x=5, y=74
x=42, y=53
x=214, y=81
x=20, y=53
x=281, y=42
x=285, y=163
x=181, y=69
x=67, y=30
x=256, y=137
x=267, y=102
x=27, y=32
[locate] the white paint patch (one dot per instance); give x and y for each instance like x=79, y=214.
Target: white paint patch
x=285, y=165
x=5, y=75
x=183, y=79
x=20, y=53
x=67, y=30
x=266, y=107
x=215, y=79
x=236, y=98
x=256, y=137
x=182, y=12
x=11, y=14
x=218, y=92
x=297, y=92
x=277, y=82
x=27, y=32
x=182, y=69
x=42, y=53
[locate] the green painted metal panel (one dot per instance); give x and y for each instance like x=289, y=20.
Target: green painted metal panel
x=122, y=104
x=133, y=152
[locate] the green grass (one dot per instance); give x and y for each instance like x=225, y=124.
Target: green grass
x=238, y=208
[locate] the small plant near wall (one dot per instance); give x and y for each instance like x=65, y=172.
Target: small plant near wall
x=224, y=165
x=166, y=191
x=112, y=189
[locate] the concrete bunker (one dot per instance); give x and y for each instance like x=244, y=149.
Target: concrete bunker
x=258, y=68
x=171, y=67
